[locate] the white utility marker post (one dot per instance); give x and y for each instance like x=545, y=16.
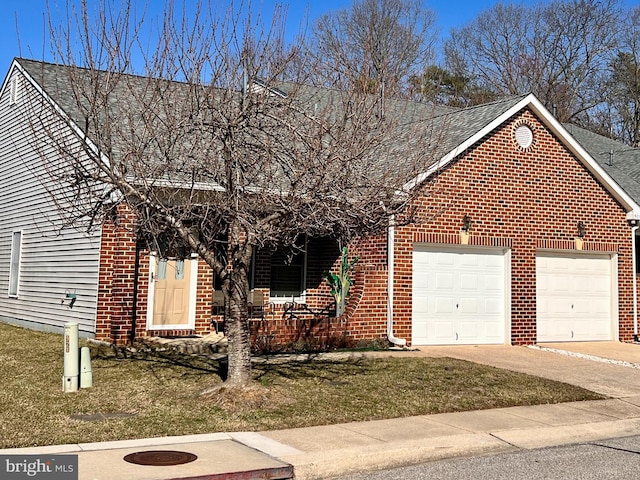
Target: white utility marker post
x=71, y=361
x=86, y=373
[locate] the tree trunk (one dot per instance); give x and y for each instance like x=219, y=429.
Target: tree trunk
x=237, y=326
x=236, y=292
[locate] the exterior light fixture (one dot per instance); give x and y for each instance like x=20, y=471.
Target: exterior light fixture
x=466, y=223
x=582, y=230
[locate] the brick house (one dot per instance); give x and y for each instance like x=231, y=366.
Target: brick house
x=521, y=236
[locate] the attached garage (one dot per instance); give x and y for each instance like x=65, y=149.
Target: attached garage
x=459, y=296
x=575, y=294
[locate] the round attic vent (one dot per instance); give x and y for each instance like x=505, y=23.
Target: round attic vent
x=524, y=136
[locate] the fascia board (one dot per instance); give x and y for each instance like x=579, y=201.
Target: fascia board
x=5, y=82
x=632, y=208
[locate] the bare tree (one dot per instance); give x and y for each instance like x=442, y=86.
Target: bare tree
x=373, y=43
x=559, y=51
x=623, y=115
x=209, y=144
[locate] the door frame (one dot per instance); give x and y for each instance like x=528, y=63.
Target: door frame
x=193, y=284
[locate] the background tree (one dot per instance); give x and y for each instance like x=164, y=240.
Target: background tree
x=559, y=51
x=373, y=43
x=208, y=145
x=443, y=87
x=623, y=119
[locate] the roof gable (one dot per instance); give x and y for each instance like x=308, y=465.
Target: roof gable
x=470, y=125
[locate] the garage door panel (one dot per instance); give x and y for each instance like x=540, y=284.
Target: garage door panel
x=444, y=281
x=444, y=305
x=443, y=330
x=466, y=298
x=494, y=283
x=469, y=281
x=494, y=306
x=445, y=259
x=468, y=331
x=469, y=306
x=494, y=331
x=573, y=297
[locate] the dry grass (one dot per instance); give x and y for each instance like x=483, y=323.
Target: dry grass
x=164, y=393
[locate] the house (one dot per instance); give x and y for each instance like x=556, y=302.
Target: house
x=526, y=239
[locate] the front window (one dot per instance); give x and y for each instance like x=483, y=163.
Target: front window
x=288, y=267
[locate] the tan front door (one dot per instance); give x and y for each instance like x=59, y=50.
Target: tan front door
x=170, y=294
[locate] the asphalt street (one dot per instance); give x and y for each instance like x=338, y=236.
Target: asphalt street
x=614, y=459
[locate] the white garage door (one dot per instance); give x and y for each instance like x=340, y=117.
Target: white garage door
x=458, y=296
x=573, y=297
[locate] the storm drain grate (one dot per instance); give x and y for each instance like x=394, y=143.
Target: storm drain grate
x=160, y=458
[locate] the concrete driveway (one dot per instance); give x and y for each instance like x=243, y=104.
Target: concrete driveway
x=609, y=368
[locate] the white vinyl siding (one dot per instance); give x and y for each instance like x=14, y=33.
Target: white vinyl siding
x=54, y=261
x=14, y=266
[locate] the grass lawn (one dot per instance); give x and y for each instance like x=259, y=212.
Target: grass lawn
x=163, y=394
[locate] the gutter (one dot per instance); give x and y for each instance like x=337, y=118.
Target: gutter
x=400, y=342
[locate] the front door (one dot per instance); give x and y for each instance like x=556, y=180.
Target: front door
x=172, y=293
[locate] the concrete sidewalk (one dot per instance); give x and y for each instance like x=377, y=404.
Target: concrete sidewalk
x=332, y=450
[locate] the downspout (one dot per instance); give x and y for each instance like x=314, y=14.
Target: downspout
x=401, y=342
x=635, y=285
x=136, y=276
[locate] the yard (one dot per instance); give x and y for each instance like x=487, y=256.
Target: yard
x=136, y=396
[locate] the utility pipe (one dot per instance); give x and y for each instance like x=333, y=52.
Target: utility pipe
x=70, y=358
x=635, y=285
x=136, y=283
x=401, y=342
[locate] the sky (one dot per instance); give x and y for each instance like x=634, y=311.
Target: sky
x=23, y=32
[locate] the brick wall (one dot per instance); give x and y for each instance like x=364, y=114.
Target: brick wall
x=525, y=200
x=116, y=279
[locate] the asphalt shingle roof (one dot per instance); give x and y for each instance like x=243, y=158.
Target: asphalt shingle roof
x=462, y=124
x=619, y=160
x=447, y=127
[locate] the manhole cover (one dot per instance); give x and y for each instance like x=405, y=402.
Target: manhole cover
x=160, y=458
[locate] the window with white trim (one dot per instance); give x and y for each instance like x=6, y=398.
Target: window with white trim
x=14, y=268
